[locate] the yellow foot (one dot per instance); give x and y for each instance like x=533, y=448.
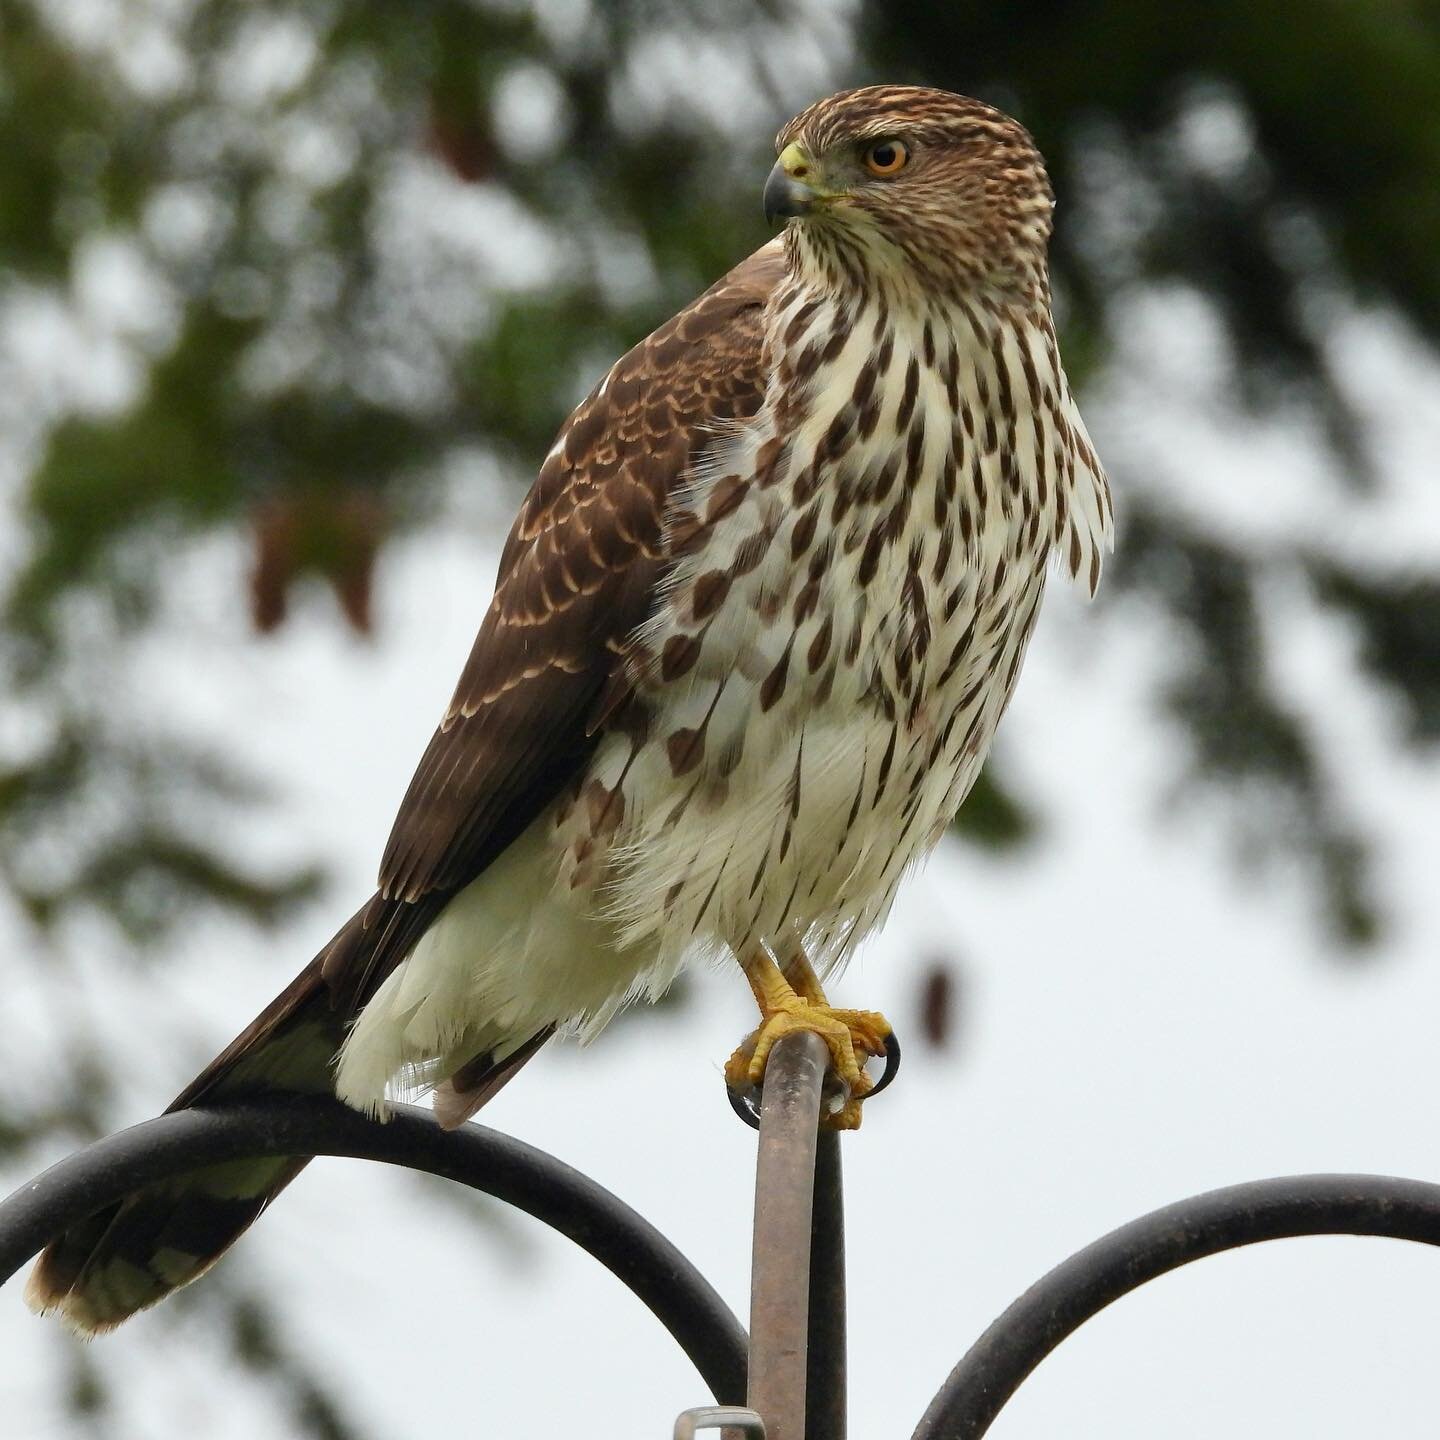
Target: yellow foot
x=852, y=1037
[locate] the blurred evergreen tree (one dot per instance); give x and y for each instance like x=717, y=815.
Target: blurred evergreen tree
x=316, y=203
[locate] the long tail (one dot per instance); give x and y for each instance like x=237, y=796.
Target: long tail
x=130, y=1256
x=127, y=1257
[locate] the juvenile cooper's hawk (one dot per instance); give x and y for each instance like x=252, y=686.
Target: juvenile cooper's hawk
x=752, y=634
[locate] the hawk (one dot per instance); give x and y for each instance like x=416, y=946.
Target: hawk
x=752, y=633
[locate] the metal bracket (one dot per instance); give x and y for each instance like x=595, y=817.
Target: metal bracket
x=717, y=1417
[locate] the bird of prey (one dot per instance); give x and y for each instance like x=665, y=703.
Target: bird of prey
x=752, y=633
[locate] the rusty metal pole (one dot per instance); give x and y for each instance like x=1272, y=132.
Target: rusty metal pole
x=780, y=1258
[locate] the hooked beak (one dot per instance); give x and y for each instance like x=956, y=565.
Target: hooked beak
x=791, y=190
x=785, y=197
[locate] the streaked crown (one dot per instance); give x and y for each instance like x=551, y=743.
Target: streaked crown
x=907, y=176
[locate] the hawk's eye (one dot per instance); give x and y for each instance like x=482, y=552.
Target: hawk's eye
x=887, y=157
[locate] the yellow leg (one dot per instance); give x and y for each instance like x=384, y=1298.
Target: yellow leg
x=793, y=1000
x=796, y=968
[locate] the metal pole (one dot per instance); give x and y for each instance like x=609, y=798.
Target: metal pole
x=780, y=1262
x=825, y=1366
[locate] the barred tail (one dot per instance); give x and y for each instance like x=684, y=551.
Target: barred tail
x=102, y=1271
x=120, y=1261
x=133, y=1255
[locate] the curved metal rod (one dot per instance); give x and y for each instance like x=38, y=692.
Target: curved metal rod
x=1004, y=1356
x=564, y=1199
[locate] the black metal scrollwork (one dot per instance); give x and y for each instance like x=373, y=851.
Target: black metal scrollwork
x=795, y=1284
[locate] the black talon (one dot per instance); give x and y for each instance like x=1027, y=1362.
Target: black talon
x=744, y=1106
x=892, y=1065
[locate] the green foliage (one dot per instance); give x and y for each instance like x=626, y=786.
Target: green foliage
x=314, y=1411
x=71, y=149
x=992, y=816
x=1242, y=735
x=100, y=479
x=1399, y=618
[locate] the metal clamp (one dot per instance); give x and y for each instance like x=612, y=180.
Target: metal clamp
x=718, y=1417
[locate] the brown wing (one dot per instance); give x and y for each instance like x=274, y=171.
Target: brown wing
x=576, y=578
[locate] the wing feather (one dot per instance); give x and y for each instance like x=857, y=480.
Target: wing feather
x=577, y=578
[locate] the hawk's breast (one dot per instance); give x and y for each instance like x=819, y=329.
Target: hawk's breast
x=855, y=575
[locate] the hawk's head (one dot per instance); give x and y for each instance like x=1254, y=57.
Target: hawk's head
x=895, y=177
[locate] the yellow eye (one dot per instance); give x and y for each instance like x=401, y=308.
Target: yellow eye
x=887, y=157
